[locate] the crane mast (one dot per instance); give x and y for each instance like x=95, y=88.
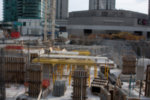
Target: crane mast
x=45, y=24
x=53, y=19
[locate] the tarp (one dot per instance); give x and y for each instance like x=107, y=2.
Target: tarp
x=14, y=47
x=15, y=34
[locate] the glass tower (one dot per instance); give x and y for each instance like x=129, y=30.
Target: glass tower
x=30, y=9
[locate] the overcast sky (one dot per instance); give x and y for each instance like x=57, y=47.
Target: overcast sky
x=75, y=5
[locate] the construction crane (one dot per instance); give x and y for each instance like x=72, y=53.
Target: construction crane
x=53, y=19
x=45, y=24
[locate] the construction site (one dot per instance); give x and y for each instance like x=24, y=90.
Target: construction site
x=74, y=72
x=113, y=66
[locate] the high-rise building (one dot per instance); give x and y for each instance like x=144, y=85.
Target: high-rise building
x=10, y=10
x=102, y=4
x=31, y=14
x=61, y=9
x=32, y=9
x=28, y=9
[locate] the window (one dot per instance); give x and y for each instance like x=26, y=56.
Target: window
x=87, y=32
x=139, y=33
x=24, y=23
x=148, y=35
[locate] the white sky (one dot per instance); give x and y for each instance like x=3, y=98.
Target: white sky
x=75, y=5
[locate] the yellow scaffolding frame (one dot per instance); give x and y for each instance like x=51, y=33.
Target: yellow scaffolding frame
x=68, y=68
x=64, y=61
x=95, y=71
x=71, y=64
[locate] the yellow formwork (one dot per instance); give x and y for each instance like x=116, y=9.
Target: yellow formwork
x=87, y=53
x=68, y=68
x=64, y=61
x=70, y=79
x=107, y=72
x=95, y=71
x=71, y=64
x=89, y=77
x=62, y=71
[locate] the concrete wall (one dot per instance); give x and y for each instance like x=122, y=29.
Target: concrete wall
x=103, y=21
x=98, y=29
x=107, y=21
x=108, y=13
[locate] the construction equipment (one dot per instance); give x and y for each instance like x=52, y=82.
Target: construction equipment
x=64, y=61
x=96, y=85
x=122, y=35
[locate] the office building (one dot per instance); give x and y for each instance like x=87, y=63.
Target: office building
x=61, y=9
x=102, y=4
x=26, y=9
x=102, y=21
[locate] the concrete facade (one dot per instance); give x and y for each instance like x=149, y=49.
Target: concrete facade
x=62, y=9
x=108, y=21
x=102, y=4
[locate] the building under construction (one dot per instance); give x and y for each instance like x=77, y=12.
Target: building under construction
x=76, y=72
x=34, y=69
x=23, y=9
